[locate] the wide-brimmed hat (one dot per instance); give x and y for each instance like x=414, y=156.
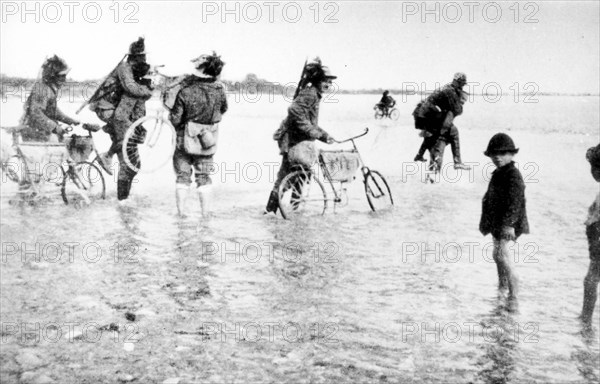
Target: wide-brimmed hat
x=327, y=73
x=499, y=143
x=316, y=72
x=53, y=67
x=137, y=47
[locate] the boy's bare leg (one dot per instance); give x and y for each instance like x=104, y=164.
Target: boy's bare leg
x=506, y=274
x=502, y=282
x=590, y=294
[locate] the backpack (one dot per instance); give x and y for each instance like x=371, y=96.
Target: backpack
x=106, y=99
x=109, y=93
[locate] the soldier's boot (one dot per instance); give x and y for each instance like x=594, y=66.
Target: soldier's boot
x=273, y=203
x=181, y=192
x=123, y=188
x=204, y=193
x=458, y=164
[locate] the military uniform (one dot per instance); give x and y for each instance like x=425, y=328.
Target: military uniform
x=449, y=100
x=130, y=108
x=42, y=113
x=301, y=124
x=432, y=115
x=200, y=100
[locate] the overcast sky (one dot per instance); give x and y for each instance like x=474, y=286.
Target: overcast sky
x=367, y=44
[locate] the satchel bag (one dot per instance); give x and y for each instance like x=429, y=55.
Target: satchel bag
x=282, y=137
x=199, y=137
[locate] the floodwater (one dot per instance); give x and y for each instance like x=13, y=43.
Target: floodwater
x=405, y=295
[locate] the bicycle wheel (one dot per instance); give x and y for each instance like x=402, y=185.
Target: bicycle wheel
x=14, y=169
x=378, y=192
x=394, y=114
x=301, y=194
x=82, y=184
x=378, y=114
x=149, y=141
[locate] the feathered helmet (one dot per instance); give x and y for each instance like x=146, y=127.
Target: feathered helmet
x=54, y=67
x=210, y=65
x=137, y=47
x=316, y=72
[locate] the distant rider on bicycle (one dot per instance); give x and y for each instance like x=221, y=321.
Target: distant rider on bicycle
x=386, y=103
x=302, y=122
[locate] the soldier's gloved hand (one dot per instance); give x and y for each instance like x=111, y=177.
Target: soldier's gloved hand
x=330, y=140
x=508, y=233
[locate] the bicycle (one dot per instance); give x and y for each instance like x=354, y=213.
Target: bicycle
x=302, y=193
x=392, y=113
x=38, y=165
x=151, y=139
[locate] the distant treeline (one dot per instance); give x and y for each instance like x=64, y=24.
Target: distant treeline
x=252, y=84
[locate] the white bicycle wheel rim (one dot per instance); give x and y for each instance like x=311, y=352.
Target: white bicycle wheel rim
x=164, y=123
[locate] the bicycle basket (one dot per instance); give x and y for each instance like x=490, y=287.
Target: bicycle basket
x=43, y=160
x=340, y=165
x=79, y=147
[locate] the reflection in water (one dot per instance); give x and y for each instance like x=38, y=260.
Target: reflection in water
x=586, y=358
x=501, y=335
x=130, y=217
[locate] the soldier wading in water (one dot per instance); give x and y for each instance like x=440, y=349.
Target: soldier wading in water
x=199, y=106
x=120, y=101
x=42, y=115
x=435, y=116
x=301, y=123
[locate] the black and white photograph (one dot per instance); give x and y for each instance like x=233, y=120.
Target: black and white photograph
x=222, y=192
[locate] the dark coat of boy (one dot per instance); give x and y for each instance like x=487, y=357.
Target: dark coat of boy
x=503, y=209
x=504, y=203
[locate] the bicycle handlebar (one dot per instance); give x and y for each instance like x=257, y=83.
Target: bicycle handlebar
x=352, y=138
x=91, y=127
x=155, y=71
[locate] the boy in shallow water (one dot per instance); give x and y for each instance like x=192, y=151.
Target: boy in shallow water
x=592, y=229
x=503, y=209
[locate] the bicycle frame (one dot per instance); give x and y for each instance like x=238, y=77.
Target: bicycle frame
x=364, y=169
x=300, y=184
x=35, y=180
x=366, y=172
